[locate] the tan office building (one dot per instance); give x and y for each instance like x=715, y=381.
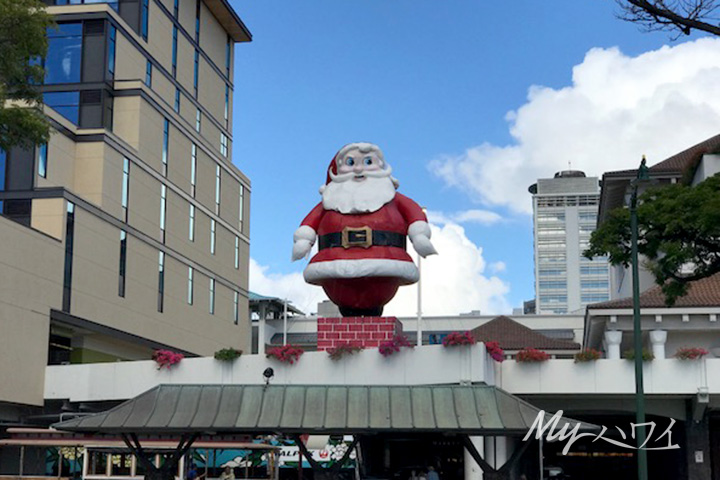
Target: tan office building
x=129, y=230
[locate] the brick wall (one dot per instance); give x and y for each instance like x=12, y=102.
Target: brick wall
x=363, y=331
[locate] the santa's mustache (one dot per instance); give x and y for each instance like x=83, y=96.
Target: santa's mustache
x=344, y=177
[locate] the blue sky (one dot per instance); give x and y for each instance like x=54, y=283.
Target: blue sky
x=433, y=83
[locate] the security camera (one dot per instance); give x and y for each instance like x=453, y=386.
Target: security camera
x=268, y=374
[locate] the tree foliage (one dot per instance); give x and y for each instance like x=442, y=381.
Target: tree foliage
x=23, y=41
x=680, y=17
x=679, y=235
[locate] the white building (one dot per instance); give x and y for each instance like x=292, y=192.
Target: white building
x=564, y=215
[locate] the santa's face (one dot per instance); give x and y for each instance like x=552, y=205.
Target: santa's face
x=358, y=163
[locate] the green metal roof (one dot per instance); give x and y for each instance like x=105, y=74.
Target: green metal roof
x=291, y=409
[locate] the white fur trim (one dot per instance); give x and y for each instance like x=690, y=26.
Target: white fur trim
x=419, y=228
x=305, y=233
x=366, y=267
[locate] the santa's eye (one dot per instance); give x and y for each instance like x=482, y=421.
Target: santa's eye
x=350, y=161
x=367, y=160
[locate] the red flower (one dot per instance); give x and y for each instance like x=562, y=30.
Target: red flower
x=531, y=355
x=388, y=347
x=342, y=349
x=167, y=358
x=693, y=353
x=286, y=354
x=456, y=338
x=494, y=350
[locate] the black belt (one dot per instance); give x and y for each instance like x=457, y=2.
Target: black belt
x=364, y=237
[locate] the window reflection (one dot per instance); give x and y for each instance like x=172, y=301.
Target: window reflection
x=62, y=63
x=66, y=104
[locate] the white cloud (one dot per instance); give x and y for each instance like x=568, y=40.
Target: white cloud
x=497, y=267
x=454, y=281
x=617, y=108
x=483, y=217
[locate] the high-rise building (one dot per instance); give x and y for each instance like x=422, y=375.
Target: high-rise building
x=128, y=231
x=565, y=212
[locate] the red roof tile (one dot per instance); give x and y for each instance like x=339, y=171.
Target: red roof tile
x=513, y=336
x=701, y=293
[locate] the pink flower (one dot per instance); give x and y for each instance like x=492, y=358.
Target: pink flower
x=167, y=358
x=286, y=354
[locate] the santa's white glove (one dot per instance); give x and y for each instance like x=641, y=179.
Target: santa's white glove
x=303, y=241
x=419, y=233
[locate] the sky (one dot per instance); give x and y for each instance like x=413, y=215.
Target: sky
x=471, y=102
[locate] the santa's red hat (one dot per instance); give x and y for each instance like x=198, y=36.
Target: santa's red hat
x=363, y=147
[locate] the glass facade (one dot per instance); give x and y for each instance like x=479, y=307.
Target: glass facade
x=125, y=188
x=161, y=282
x=163, y=210
x=123, y=263
x=212, y=237
x=165, y=146
x=64, y=56
x=217, y=189
x=191, y=224
x=198, y=120
x=236, y=310
x=193, y=169
x=113, y=3
x=148, y=74
x=66, y=104
x=174, y=51
x=196, y=73
x=242, y=207
x=144, y=19
x=224, y=145
x=177, y=100
x=111, y=50
x=42, y=160
x=212, y=296
x=237, y=252
x=191, y=274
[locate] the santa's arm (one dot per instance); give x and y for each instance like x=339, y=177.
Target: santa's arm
x=304, y=237
x=418, y=227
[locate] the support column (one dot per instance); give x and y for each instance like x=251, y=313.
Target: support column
x=613, y=338
x=697, y=435
x=472, y=469
x=658, y=339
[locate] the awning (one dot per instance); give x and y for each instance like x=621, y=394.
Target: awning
x=295, y=409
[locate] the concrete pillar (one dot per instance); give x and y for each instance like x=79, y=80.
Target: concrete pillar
x=697, y=435
x=472, y=469
x=261, y=330
x=613, y=338
x=658, y=339
x=496, y=451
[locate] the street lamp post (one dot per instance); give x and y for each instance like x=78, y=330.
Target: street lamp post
x=637, y=330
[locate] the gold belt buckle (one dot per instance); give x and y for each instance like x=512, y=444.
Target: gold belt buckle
x=357, y=237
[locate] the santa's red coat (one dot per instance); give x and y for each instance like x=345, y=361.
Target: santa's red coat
x=358, y=262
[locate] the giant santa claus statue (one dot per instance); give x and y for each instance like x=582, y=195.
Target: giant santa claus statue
x=361, y=227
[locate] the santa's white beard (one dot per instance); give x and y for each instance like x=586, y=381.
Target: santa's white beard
x=350, y=196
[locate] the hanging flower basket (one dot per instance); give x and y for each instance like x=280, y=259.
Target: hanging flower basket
x=389, y=347
x=285, y=354
x=587, y=355
x=167, y=358
x=531, y=355
x=343, y=349
x=690, y=353
x=493, y=349
x=228, y=354
x=456, y=339
x=647, y=355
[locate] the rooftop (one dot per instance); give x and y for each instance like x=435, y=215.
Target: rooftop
x=701, y=293
x=513, y=336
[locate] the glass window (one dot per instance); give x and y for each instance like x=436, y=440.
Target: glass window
x=42, y=160
x=594, y=297
x=197, y=21
x=552, y=284
x=144, y=19
x=217, y=189
x=240, y=211
x=111, y=50
x=551, y=217
x=191, y=274
x=236, y=310
x=198, y=120
x=64, y=54
x=3, y=167
x=553, y=272
x=166, y=143
x=191, y=226
x=227, y=105
x=237, y=252
x=212, y=296
x=123, y=263
x=176, y=8
x=148, y=74
x=228, y=55
x=163, y=210
x=161, y=281
x=224, y=145
x=196, y=72
x=193, y=168
x=550, y=231
x=125, y=187
x=177, y=100
x=550, y=299
x=212, y=237
x=174, y=49
x=66, y=104
x=594, y=284
x=593, y=270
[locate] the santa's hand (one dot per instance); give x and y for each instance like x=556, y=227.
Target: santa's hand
x=419, y=233
x=303, y=241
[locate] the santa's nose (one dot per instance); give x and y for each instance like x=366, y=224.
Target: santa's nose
x=358, y=168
